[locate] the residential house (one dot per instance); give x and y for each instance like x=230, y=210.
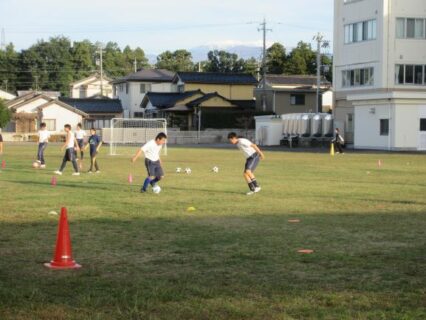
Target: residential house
x=283, y=94
x=99, y=111
x=33, y=108
x=132, y=88
x=51, y=94
x=380, y=73
x=5, y=95
x=92, y=86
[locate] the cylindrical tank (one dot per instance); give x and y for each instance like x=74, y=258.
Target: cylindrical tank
x=294, y=124
x=316, y=125
x=327, y=125
x=285, y=119
x=304, y=127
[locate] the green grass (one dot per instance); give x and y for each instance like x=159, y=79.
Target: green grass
x=145, y=256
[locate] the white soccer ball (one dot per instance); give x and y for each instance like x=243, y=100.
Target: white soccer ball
x=36, y=164
x=188, y=170
x=215, y=169
x=156, y=189
x=178, y=170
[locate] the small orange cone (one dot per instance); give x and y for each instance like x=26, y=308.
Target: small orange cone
x=63, y=252
x=3, y=164
x=53, y=182
x=379, y=163
x=130, y=178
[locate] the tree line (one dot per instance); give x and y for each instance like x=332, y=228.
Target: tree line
x=54, y=64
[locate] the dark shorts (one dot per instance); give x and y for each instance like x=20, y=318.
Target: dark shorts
x=154, y=168
x=252, y=163
x=80, y=143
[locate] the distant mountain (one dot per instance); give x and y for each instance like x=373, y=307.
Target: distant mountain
x=200, y=53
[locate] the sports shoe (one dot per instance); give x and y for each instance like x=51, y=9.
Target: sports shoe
x=90, y=171
x=59, y=173
x=42, y=166
x=76, y=173
x=250, y=193
x=257, y=189
x=98, y=171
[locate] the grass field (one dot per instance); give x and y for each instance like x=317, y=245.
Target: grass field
x=145, y=256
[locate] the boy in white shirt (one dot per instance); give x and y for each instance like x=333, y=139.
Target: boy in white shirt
x=43, y=139
x=70, y=145
x=253, y=155
x=152, y=150
x=80, y=134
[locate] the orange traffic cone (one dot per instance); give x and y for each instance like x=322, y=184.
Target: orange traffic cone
x=130, y=178
x=53, y=182
x=3, y=164
x=63, y=252
x=379, y=163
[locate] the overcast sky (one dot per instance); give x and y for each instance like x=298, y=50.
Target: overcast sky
x=158, y=25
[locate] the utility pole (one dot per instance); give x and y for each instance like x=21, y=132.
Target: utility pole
x=135, y=65
x=321, y=43
x=5, y=84
x=36, y=83
x=264, y=30
x=101, y=50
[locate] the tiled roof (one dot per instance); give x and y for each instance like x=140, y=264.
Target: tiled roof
x=217, y=78
x=148, y=75
x=294, y=80
x=164, y=100
x=95, y=105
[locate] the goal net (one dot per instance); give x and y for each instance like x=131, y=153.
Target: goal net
x=126, y=134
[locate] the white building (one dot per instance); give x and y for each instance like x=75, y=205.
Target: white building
x=380, y=73
x=4, y=95
x=91, y=87
x=132, y=88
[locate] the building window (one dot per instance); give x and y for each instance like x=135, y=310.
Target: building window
x=127, y=88
x=384, y=127
x=297, y=99
x=358, y=77
x=50, y=124
x=423, y=124
x=410, y=28
x=138, y=114
x=181, y=88
x=410, y=74
x=350, y=122
x=360, y=31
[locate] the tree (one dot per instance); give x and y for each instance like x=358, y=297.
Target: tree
x=83, y=58
x=5, y=114
x=301, y=60
x=179, y=60
x=222, y=61
x=251, y=66
x=9, y=63
x=276, y=59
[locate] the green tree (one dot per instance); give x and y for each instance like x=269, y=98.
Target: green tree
x=83, y=58
x=9, y=64
x=179, y=60
x=301, y=60
x=223, y=61
x=251, y=66
x=5, y=114
x=276, y=59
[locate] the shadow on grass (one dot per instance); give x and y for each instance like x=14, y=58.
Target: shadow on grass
x=233, y=267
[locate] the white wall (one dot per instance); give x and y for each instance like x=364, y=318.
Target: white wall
x=6, y=95
x=269, y=131
x=32, y=106
x=63, y=116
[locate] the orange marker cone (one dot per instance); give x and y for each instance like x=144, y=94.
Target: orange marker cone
x=63, y=252
x=130, y=178
x=332, y=149
x=53, y=182
x=3, y=164
x=379, y=163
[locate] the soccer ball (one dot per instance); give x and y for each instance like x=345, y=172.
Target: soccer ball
x=178, y=170
x=156, y=189
x=188, y=170
x=36, y=164
x=215, y=169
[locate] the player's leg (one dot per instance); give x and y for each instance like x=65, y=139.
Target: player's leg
x=74, y=161
x=250, y=167
x=151, y=175
x=64, y=162
x=159, y=173
x=81, y=146
x=43, y=148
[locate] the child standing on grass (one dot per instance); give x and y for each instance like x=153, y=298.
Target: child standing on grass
x=70, y=145
x=1, y=143
x=152, y=151
x=79, y=135
x=95, y=143
x=43, y=139
x=338, y=141
x=253, y=155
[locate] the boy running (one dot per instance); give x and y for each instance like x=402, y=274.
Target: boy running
x=43, y=139
x=152, y=151
x=69, y=145
x=253, y=155
x=79, y=135
x=95, y=143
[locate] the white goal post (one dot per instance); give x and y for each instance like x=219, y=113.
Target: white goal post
x=133, y=133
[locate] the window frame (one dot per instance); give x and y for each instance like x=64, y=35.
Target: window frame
x=384, y=129
x=48, y=127
x=297, y=101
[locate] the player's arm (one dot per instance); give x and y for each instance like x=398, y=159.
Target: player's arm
x=137, y=155
x=99, y=146
x=66, y=141
x=76, y=146
x=255, y=147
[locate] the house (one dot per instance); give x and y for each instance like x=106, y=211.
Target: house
x=132, y=88
x=91, y=87
x=283, y=94
x=99, y=111
x=5, y=95
x=379, y=73
x=33, y=108
x=51, y=94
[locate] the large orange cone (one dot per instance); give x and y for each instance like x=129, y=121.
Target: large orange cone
x=3, y=164
x=63, y=252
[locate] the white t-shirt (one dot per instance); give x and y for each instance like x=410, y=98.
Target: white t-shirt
x=43, y=136
x=152, y=150
x=80, y=134
x=245, y=146
x=72, y=139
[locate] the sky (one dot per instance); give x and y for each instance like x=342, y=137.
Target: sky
x=160, y=25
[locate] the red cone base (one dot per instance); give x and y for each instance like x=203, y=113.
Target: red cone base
x=63, y=252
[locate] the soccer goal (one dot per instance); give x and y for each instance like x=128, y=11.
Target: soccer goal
x=133, y=133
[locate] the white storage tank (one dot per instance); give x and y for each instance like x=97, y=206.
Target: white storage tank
x=316, y=125
x=269, y=130
x=304, y=128
x=327, y=125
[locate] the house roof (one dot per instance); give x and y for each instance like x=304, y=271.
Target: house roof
x=23, y=100
x=216, y=78
x=89, y=79
x=95, y=105
x=148, y=75
x=164, y=100
x=64, y=105
x=52, y=94
x=207, y=97
x=294, y=80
